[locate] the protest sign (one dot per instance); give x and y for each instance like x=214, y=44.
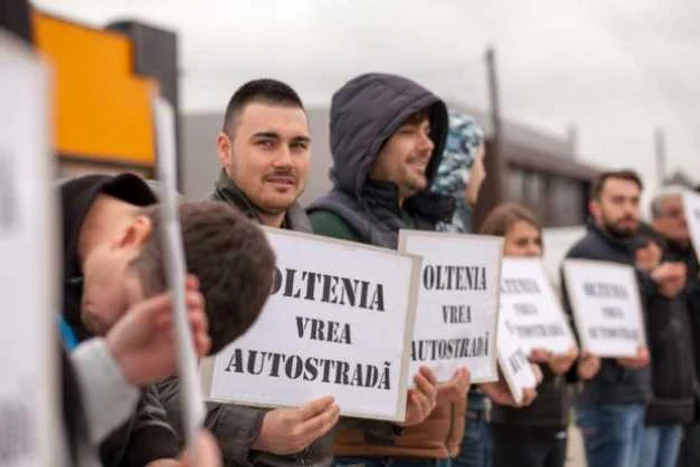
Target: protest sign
x=457, y=303
x=29, y=265
x=531, y=309
x=176, y=271
x=691, y=204
x=338, y=322
x=607, y=307
x=514, y=363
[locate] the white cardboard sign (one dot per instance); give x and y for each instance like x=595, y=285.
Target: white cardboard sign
x=691, y=203
x=338, y=322
x=457, y=303
x=28, y=265
x=514, y=363
x=607, y=307
x=530, y=308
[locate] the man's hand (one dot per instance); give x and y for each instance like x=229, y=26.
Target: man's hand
x=291, y=430
x=560, y=364
x=588, y=366
x=456, y=388
x=499, y=393
x=422, y=399
x=670, y=278
x=540, y=356
x=635, y=363
x=143, y=342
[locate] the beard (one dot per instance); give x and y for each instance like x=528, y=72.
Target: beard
x=616, y=230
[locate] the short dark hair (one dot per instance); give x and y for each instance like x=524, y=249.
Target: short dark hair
x=499, y=221
x=267, y=91
x=624, y=174
x=230, y=256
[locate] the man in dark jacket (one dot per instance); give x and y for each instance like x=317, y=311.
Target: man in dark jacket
x=387, y=139
x=670, y=222
x=611, y=405
x=264, y=149
x=672, y=366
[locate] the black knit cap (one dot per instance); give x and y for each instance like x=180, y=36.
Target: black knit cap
x=77, y=196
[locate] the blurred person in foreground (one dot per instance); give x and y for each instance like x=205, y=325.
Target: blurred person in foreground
x=113, y=263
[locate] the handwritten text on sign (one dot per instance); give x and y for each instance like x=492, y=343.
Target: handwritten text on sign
x=457, y=304
x=531, y=309
x=691, y=203
x=607, y=308
x=338, y=322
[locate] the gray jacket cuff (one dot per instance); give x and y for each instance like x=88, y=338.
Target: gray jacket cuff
x=109, y=399
x=236, y=428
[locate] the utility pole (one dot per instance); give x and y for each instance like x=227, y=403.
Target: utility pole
x=491, y=192
x=660, y=153
x=494, y=95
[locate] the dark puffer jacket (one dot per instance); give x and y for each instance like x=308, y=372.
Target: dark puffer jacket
x=365, y=113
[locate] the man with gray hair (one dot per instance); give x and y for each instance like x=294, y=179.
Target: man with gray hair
x=669, y=221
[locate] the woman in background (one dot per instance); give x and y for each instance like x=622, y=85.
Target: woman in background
x=533, y=436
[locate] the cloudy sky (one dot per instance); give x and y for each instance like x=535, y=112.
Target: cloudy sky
x=614, y=68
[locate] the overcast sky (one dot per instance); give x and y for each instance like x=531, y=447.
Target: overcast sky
x=614, y=68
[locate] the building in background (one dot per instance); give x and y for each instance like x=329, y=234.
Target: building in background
x=533, y=168
x=104, y=83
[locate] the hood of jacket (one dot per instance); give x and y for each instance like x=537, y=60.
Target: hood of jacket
x=365, y=113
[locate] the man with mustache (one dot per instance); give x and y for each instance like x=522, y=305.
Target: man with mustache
x=264, y=149
x=610, y=408
x=387, y=139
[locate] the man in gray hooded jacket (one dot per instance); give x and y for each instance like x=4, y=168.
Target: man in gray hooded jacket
x=387, y=138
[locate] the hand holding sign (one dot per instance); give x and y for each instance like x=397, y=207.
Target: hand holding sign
x=560, y=364
x=640, y=361
x=670, y=277
x=540, y=356
x=143, y=342
x=288, y=431
x=456, y=388
x=423, y=398
x=499, y=393
x=588, y=366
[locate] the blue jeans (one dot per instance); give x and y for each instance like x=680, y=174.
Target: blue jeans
x=661, y=446
x=477, y=444
x=390, y=462
x=612, y=434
